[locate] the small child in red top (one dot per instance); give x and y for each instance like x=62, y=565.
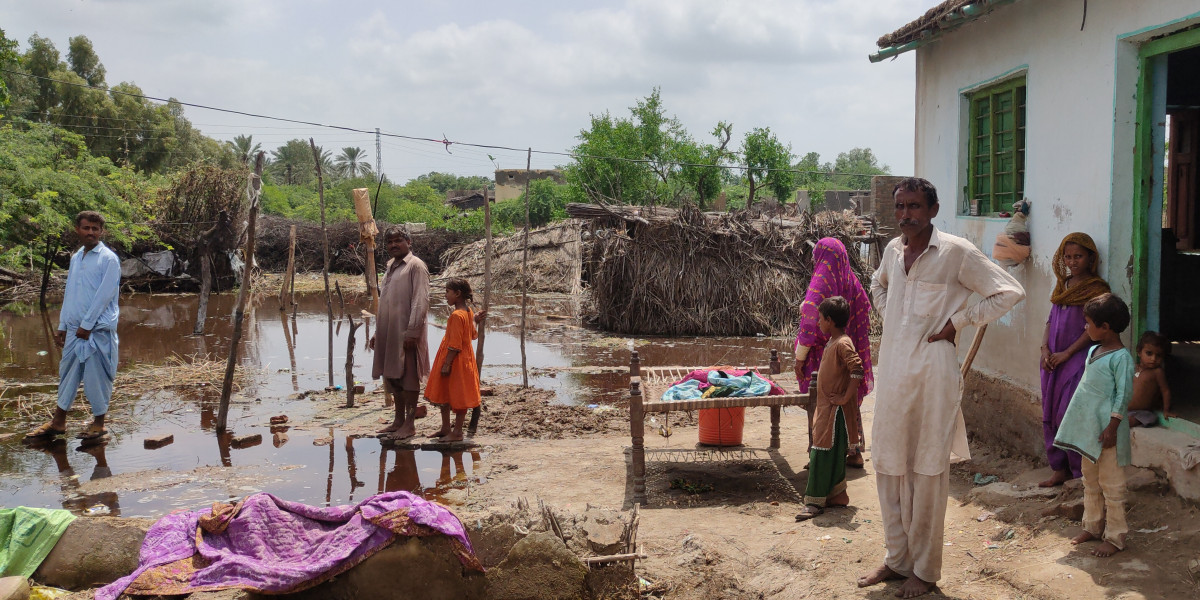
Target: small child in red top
x=454, y=380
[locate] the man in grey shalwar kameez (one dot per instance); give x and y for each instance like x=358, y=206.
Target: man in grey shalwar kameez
x=401, y=350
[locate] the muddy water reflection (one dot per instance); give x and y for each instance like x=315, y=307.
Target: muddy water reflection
x=317, y=466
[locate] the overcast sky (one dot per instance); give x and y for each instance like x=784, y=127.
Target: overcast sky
x=515, y=73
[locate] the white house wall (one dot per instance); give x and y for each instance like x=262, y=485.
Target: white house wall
x=1078, y=133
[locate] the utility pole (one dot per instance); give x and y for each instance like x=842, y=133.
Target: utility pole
x=378, y=154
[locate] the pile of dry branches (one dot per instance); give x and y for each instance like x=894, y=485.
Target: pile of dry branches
x=554, y=260
x=693, y=273
x=346, y=253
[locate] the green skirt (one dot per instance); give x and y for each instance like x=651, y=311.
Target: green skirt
x=827, y=468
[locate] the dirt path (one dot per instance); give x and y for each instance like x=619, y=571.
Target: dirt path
x=740, y=540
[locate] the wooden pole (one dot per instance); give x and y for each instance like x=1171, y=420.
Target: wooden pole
x=473, y=425
x=524, y=274
x=350, y=362
x=966, y=366
x=337, y=285
x=239, y=314
x=286, y=300
x=51, y=250
x=325, y=247
x=367, y=232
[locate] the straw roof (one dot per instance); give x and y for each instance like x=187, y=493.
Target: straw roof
x=944, y=16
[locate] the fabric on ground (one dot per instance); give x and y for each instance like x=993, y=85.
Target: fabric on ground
x=27, y=535
x=273, y=546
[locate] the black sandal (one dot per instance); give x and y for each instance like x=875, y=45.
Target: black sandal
x=810, y=511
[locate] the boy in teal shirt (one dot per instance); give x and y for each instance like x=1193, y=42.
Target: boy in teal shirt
x=1095, y=426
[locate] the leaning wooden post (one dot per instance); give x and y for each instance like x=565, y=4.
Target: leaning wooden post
x=205, y=256
x=524, y=269
x=252, y=191
x=325, y=247
x=487, y=302
x=285, y=300
x=637, y=430
x=367, y=232
x=350, y=361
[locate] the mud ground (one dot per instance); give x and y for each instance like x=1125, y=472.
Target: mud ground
x=737, y=538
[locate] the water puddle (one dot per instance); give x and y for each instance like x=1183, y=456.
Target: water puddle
x=316, y=465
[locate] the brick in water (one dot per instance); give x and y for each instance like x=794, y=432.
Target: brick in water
x=246, y=441
x=158, y=441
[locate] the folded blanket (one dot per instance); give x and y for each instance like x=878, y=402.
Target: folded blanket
x=273, y=546
x=27, y=535
x=693, y=385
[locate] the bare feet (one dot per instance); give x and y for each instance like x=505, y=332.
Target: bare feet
x=389, y=428
x=883, y=573
x=1057, y=479
x=454, y=436
x=405, y=432
x=842, y=499
x=914, y=586
x=440, y=433
x=1083, y=537
x=1106, y=549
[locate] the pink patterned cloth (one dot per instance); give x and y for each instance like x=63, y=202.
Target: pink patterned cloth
x=274, y=546
x=832, y=276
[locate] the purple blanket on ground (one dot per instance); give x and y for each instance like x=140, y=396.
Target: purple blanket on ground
x=275, y=546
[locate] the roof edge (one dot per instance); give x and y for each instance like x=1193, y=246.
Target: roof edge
x=934, y=29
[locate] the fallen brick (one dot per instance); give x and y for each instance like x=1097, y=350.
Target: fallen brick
x=246, y=441
x=157, y=441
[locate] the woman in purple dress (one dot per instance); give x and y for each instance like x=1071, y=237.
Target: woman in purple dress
x=1065, y=343
x=832, y=276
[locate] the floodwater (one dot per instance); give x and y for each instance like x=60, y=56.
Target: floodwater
x=287, y=355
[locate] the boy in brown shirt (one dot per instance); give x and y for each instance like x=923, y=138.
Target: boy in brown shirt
x=838, y=379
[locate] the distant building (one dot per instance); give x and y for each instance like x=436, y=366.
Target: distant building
x=468, y=199
x=510, y=183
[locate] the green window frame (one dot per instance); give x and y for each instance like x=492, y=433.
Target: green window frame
x=996, y=147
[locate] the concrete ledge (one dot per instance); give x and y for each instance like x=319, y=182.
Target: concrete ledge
x=1170, y=452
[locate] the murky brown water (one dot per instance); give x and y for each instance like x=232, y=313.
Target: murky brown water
x=154, y=327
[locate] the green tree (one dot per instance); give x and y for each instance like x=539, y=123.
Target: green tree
x=9, y=60
x=47, y=176
x=444, y=182
x=855, y=167
x=244, y=148
x=352, y=163
x=637, y=160
x=83, y=61
x=701, y=169
x=292, y=163
x=42, y=60
x=767, y=164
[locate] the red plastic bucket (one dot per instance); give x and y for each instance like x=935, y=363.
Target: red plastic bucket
x=722, y=426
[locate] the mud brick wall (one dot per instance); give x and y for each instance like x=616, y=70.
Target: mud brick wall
x=1002, y=414
x=881, y=200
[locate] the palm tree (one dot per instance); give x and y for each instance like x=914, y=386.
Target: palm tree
x=352, y=163
x=245, y=148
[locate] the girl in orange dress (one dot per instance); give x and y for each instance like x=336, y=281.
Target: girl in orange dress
x=454, y=380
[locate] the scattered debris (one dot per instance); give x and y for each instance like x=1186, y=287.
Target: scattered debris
x=279, y=419
x=246, y=441
x=981, y=479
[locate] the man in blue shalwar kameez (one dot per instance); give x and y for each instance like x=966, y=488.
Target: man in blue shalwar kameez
x=87, y=330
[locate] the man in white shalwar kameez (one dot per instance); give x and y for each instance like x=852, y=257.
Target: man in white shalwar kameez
x=921, y=289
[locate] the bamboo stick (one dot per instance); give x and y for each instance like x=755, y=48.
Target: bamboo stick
x=524, y=272
x=239, y=314
x=286, y=299
x=975, y=343
x=325, y=248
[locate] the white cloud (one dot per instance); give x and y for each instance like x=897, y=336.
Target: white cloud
x=520, y=74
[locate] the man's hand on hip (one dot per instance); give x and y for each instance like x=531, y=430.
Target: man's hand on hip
x=946, y=334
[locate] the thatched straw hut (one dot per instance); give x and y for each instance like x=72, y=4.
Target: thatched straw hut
x=685, y=272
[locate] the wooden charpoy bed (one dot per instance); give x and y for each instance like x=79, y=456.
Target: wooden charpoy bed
x=646, y=387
